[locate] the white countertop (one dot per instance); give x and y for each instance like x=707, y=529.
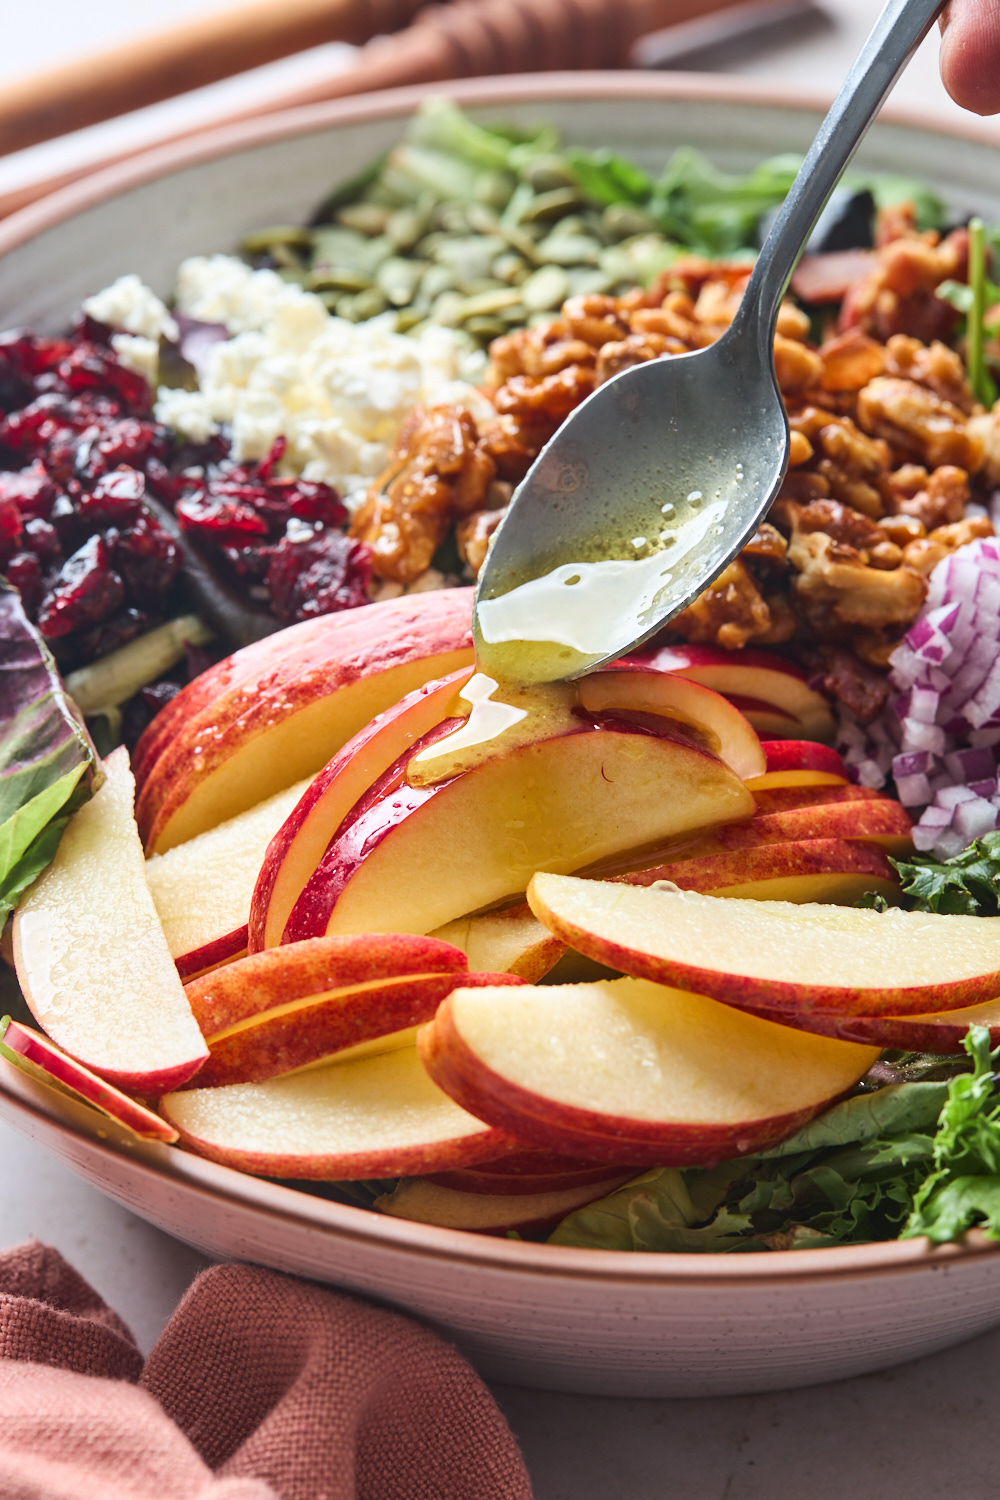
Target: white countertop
x=922, y=1431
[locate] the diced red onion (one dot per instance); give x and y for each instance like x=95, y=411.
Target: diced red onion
x=970, y=764
x=973, y=819
x=912, y=791
x=913, y=763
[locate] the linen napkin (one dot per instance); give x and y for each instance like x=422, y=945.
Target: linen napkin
x=262, y=1387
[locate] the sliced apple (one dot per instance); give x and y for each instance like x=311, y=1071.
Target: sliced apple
x=781, y=798
x=377, y=1117
x=411, y=859
x=776, y=956
x=826, y=870
x=527, y=1172
x=283, y=706
x=35, y=1055
x=299, y=845
x=771, y=691
x=202, y=889
x=512, y=941
x=800, y=779
x=878, y=820
x=426, y=1202
x=803, y=755
x=721, y=726
x=941, y=1032
x=91, y=956
x=625, y=1067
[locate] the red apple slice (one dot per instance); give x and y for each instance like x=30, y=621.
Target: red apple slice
x=628, y=1068
x=529, y=1171
x=799, y=779
x=426, y=1202
x=722, y=727
x=825, y=870
x=35, y=1055
x=378, y=1117
x=773, y=693
x=413, y=858
x=786, y=959
x=202, y=889
x=782, y=798
x=803, y=755
x=505, y=942
x=283, y=706
x=299, y=845
x=878, y=820
x=941, y=1032
x=91, y=956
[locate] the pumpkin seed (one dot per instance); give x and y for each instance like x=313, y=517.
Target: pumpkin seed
x=337, y=279
x=398, y=279
x=546, y=288
x=546, y=206
x=546, y=174
x=487, y=303
x=364, y=218
x=570, y=250
x=262, y=240
x=485, y=328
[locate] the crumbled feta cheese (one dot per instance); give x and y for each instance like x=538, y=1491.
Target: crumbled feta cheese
x=338, y=391
x=139, y=354
x=130, y=305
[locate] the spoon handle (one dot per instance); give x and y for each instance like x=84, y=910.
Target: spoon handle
x=896, y=35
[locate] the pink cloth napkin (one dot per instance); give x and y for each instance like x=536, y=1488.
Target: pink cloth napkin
x=261, y=1387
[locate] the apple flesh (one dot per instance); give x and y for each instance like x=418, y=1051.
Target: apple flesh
x=379, y=1116
x=825, y=870
x=202, y=889
x=535, y=1214
x=788, y=960
x=277, y=711
x=512, y=941
x=298, y=846
x=799, y=779
x=772, y=692
x=878, y=820
x=411, y=859
x=36, y=1056
x=721, y=727
x=527, y=1172
x=91, y=956
x=627, y=1068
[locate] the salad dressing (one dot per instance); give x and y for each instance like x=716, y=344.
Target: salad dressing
x=547, y=629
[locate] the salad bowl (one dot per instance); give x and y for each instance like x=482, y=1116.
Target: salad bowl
x=594, y=1321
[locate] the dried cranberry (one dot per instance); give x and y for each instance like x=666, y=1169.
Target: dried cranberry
x=267, y=465
x=158, y=694
x=89, y=330
x=111, y=634
x=86, y=590
x=11, y=526
x=314, y=502
x=165, y=485
x=116, y=500
x=127, y=441
x=25, y=572
x=318, y=575
x=250, y=563
x=219, y=520
x=147, y=559
x=32, y=491
x=43, y=538
x=88, y=367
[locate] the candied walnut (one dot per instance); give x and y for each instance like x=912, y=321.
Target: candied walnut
x=507, y=357
x=902, y=529
x=637, y=349
x=985, y=429
x=842, y=523
x=800, y=449
x=792, y=322
x=939, y=501
x=719, y=301
x=859, y=687
x=730, y=612
x=915, y=420
x=767, y=546
x=783, y=621
x=850, y=360
x=435, y=471
x=674, y=318
x=594, y=318
x=797, y=366
x=550, y=398
x=924, y=554
x=802, y=485
x=472, y=536
x=547, y=357
x=513, y=445
x=835, y=588
x=898, y=294
x=935, y=366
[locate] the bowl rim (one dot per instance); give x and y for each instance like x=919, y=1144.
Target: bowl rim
x=212, y=1181
x=171, y=1165
x=497, y=90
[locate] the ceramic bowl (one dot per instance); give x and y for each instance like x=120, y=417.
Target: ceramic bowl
x=577, y=1320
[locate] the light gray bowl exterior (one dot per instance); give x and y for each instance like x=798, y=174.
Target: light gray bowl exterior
x=599, y=1322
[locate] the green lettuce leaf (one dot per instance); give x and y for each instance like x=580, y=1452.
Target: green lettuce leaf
x=967, y=885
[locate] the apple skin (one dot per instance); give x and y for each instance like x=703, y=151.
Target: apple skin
x=298, y=971
x=803, y=868
x=300, y=843
x=772, y=998
x=32, y=1052
x=771, y=691
x=461, y=1074
x=527, y=1171
x=777, y=799
x=370, y=835
x=224, y=950
x=423, y=1200
x=940, y=1032
x=803, y=755
x=326, y=1025
x=878, y=820
x=286, y=704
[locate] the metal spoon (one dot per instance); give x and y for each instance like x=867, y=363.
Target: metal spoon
x=655, y=482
